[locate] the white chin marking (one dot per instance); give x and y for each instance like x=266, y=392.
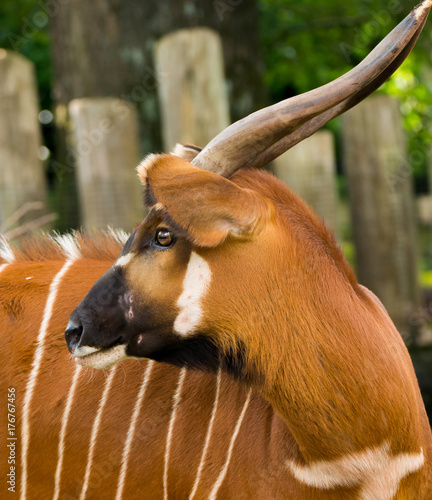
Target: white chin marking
x=103, y=359
x=195, y=285
x=377, y=470
x=80, y=352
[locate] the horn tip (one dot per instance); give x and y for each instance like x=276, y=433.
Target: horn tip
x=423, y=8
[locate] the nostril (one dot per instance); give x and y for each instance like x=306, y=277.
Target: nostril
x=73, y=335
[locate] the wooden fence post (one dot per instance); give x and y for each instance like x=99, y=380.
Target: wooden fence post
x=309, y=169
x=382, y=207
x=105, y=137
x=22, y=174
x=192, y=93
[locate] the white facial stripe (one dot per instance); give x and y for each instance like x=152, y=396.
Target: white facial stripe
x=195, y=285
x=377, y=469
x=124, y=259
x=104, y=359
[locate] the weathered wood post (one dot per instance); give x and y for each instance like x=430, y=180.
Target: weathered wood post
x=22, y=174
x=309, y=169
x=192, y=93
x=105, y=137
x=382, y=207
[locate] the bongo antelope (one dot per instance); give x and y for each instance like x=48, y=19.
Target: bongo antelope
x=283, y=377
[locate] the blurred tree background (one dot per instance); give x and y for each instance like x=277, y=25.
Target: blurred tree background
x=279, y=47
x=273, y=49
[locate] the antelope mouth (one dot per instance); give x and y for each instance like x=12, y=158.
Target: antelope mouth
x=93, y=357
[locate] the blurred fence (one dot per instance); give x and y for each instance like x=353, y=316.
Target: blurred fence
x=104, y=135
x=194, y=106
x=23, y=191
x=192, y=93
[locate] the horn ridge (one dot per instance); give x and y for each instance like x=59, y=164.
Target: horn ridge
x=262, y=136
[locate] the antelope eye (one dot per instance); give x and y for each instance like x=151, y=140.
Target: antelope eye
x=164, y=238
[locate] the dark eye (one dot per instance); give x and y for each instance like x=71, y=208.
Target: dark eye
x=164, y=238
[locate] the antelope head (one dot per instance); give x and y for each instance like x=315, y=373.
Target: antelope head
x=226, y=251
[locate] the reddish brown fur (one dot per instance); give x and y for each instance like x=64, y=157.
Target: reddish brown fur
x=319, y=348
x=21, y=309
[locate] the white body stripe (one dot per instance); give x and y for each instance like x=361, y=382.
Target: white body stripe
x=3, y=266
x=31, y=384
x=171, y=429
x=376, y=469
x=195, y=285
x=208, y=437
x=95, y=430
x=224, y=470
x=62, y=439
x=131, y=430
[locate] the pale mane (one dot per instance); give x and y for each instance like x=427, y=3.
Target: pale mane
x=103, y=245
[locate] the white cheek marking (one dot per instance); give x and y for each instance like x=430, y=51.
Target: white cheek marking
x=377, y=469
x=124, y=259
x=195, y=285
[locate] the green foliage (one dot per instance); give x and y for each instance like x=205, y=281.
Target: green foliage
x=24, y=29
x=305, y=44
x=410, y=85
x=311, y=42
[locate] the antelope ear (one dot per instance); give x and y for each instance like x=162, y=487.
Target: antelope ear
x=186, y=151
x=207, y=206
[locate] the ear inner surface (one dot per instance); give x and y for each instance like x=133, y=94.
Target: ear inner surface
x=206, y=205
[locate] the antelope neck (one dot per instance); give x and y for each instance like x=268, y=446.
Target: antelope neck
x=340, y=391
